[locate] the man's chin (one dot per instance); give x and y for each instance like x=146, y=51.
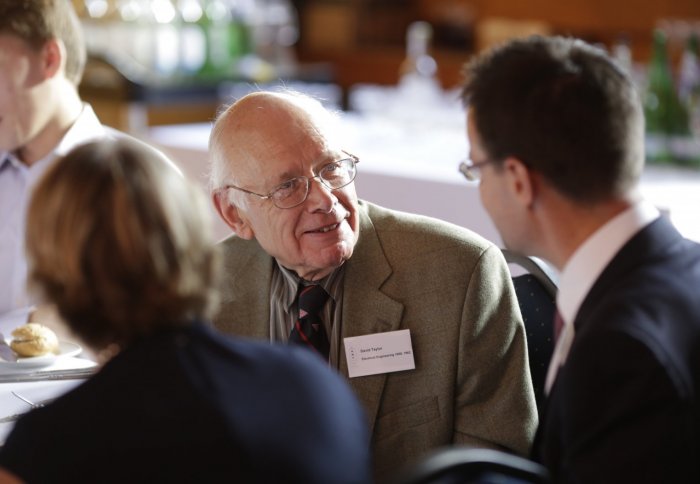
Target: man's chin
x=337, y=257
x=330, y=258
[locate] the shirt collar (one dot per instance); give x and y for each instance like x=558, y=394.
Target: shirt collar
x=8, y=159
x=292, y=281
x=85, y=128
x=588, y=261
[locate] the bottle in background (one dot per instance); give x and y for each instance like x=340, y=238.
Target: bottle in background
x=418, y=61
x=275, y=30
x=689, y=82
x=193, y=42
x=622, y=52
x=136, y=38
x=418, y=72
x=685, y=142
x=666, y=118
x=95, y=21
x=215, y=24
x=166, y=38
x=239, y=41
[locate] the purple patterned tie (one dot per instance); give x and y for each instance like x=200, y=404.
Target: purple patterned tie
x=308, y=329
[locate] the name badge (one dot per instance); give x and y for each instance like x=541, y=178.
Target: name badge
x=372, y=354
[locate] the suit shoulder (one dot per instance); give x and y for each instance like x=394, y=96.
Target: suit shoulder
x=234, y=248
x=297, y=367
x=420, y=230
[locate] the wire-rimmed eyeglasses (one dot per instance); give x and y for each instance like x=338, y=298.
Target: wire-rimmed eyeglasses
x=295, y=191
x=472, y=169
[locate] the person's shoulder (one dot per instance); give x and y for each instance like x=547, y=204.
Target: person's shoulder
x=421, y=229
x=236, y=250
x=288, y=360
x=115, y=134
x=290, y=365
x=254, y=352
x=235, y=242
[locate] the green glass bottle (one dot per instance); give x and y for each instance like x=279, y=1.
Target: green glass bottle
x=668, y=135
x=657, y=100
x=239, y=32
x=193, y=41
x=214, y=23
x=688, y=149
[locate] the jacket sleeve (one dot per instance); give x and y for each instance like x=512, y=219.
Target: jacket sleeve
x=619, y=416
x=495, y=405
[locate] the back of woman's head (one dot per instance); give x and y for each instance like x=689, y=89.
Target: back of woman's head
x=120, y=242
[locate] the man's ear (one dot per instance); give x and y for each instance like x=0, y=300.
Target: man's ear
x=52, y=56
x=521, y=180
x=230, y=214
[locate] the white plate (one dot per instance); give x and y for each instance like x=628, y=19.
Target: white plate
x=65, y=349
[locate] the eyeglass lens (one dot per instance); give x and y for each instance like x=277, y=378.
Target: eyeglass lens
x=469, y=171
x=334, y=175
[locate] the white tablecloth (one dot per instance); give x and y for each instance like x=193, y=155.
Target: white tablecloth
x=413, y=167
x=36, y=391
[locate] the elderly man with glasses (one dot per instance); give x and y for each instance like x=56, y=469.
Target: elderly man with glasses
x=419, y=314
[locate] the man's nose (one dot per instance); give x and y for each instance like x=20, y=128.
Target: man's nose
x=320, y=197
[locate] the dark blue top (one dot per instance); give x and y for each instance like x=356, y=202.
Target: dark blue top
x=191, y=405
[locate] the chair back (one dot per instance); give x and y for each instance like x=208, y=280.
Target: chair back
x=536, y=290
x=470, y=465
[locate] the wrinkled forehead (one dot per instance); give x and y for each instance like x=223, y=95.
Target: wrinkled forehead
x=277, y=136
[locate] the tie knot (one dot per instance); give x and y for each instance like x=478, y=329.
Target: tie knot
x=311, y=300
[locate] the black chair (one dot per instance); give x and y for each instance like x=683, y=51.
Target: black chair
x=469, y=465
x=536, y=291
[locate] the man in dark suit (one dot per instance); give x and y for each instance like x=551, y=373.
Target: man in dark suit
x=284, y=184
x=557, y=138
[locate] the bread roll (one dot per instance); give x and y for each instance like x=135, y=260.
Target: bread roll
x=34, y=340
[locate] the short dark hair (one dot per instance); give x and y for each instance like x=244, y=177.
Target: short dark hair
x=38, y=21
x=565, y=109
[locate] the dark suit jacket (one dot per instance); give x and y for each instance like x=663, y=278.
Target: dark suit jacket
x=453, y=291
x=189, y=405
x=624, y=407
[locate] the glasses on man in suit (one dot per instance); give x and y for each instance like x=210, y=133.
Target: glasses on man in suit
x=472, y=169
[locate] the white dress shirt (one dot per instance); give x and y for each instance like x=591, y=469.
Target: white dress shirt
x=16, y=183
x=585, y=266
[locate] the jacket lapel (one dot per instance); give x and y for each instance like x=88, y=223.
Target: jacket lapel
x=648, y=242
x=366, y=309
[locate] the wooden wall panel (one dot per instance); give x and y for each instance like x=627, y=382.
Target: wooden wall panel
x=594, y=20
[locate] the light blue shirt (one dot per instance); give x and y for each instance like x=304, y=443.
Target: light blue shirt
x=17, y=181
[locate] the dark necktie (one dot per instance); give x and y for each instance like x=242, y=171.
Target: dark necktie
x=308, y=329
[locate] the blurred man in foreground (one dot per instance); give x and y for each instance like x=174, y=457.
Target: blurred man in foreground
x=42, y=58
x=557, y=138
x=440, y=356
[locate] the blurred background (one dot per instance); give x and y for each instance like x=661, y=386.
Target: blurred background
x=200, y=43
x=161, y=69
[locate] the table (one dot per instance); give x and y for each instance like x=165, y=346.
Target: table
x=36, y=391
x=412, y=166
